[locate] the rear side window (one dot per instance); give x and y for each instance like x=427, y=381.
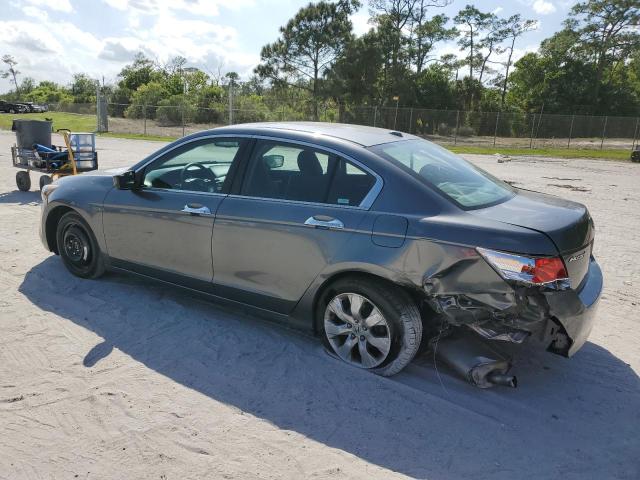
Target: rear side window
x=299, y=173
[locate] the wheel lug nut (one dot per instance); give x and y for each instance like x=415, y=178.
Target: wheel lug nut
x=364, y=328
x=353, y=336
x=357, y=321
x=362, y=338
x=349, y=325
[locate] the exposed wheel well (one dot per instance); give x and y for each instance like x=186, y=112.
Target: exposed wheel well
x=326, y=286
x=52, y=224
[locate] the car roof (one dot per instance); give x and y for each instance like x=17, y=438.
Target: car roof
x=359, y=134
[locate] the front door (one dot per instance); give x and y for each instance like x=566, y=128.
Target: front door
x=165, y=227
x=297, y=207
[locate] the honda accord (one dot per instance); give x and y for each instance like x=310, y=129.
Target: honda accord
x=374, y=240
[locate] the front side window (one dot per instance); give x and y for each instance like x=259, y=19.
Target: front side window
x=465, y=184
x=200, y=166
x=300, y=173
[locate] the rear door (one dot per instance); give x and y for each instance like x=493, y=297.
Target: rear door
x=297, y=206
x=164, y=229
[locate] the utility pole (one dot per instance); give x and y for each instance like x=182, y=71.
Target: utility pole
x=231, y=101
x=395, y=119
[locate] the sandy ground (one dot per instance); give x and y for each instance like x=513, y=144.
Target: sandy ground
x=121, y=378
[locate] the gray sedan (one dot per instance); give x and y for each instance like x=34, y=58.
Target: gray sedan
x=375, y=240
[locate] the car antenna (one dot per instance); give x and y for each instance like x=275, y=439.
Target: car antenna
x=397, y=134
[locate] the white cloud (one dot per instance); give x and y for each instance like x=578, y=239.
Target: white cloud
x=123, y=49
x=35, y=12
x=59, y=5
x=204, y=44
x=160, y=29
x=543, y=7
x=21, y=36
x=195, y=7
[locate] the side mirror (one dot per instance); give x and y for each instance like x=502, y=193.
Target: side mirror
x=273, y=161
x=125, y=181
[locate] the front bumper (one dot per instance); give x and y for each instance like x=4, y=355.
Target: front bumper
x=42, y=229
x=576, y=310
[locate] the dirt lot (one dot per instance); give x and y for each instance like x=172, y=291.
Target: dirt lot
x=121, y=378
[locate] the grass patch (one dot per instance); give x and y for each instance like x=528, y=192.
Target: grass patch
x=139, y=136
x=76, y=122
x=614, y=154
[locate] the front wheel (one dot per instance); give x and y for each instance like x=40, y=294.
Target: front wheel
x=370, y=325
x=78, y=247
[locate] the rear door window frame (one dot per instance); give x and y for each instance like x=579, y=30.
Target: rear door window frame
x=241, y=178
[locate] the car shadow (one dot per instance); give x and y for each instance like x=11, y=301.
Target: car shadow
x=573, y=418
x=20, y=198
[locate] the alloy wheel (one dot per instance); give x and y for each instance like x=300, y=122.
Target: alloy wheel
x=357, y=330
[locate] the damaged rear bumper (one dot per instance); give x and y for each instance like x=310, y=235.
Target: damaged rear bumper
x=575, y=310
x=469, y=293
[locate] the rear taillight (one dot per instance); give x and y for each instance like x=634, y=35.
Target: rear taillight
x=549, y=271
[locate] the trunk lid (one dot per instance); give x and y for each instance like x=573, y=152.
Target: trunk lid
x=568, y=224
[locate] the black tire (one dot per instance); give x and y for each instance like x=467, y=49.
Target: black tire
x=398, y=309
x=78, y=247
x=23, y=181
x=44, y=180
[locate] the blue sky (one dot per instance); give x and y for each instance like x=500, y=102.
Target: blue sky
x=52, y=39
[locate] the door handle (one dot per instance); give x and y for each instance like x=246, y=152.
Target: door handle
x=196, y=209
x=322, y=221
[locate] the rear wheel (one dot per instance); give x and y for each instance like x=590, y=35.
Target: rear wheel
x=370, y=325
x=23, y=181
x=78, y=247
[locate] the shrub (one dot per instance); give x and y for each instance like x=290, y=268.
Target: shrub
x=173, y=111
x=444, y=129
x=466, y=131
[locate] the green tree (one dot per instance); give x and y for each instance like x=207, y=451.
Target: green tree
x=391, y=18
x=308, y=45
x=425, y=35
x=49, y=92
x=11, y=71
x=140, y=72
x=27, y=85
x=562, y=85
x=515, y=27
x=146, y=98
x=434, y=88
x=473, y=23
x=355, y=77
x=83, y=88
x=608, y=35
x=490, y=44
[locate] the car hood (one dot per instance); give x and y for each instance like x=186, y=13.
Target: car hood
x=108, y=172
x=568, y=224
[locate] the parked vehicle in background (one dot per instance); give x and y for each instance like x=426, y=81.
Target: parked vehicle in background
x=12, y=107
x=375, y=240
x=34, y=107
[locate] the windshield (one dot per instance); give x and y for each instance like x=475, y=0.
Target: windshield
x=467, y=185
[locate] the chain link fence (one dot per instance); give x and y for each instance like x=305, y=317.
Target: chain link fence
x=516, y=130
x=447, y=127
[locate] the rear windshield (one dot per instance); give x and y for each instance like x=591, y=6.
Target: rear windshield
x=465, y=184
